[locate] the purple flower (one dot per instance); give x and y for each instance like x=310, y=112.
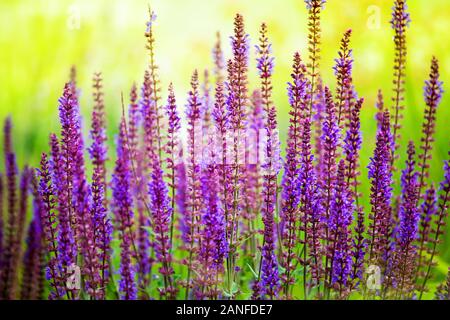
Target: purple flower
x=380, y=175
x=194, y=203
x=433, y=95
x=269, y=265
x=161, y=221
x=213, y=238
x=153, y=88
x=330, y=143
x=314, y=36
x=400, y=22
x=343, y=73
x=359, y=244
x=405, y=250
x=172, y=150
x=297, y=90
x=149, y=116
x=352, y=145
x=68, y=169
x=122, y=204
x=50, y=228
x=310, y=212
x=340, y=233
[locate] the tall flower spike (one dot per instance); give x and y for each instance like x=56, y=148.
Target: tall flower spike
x=221, y=121
x=161, y=222
x=155, y=82
x=47, y=194
x=433, y=95
x=343, y=73
x=400, y=22
x=269, y=266
x=149, y=119
x=193, y=208
x=237, y=102
x=405, y=250
x=330, y=142
x=98, y=149
x=311, y=213
x=359, y=248
x=297, y=90
x=98, y=257
x=380, y=198
x=352, y=146
x=80, y=218
x=68, y=219
x=214, y=245
x=172, y=150
x=314, y=8
x=340, y=234
x=252, y=176
x=122, y=204
x=141, y=159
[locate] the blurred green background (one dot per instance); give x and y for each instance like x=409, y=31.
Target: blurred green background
x=40, y=40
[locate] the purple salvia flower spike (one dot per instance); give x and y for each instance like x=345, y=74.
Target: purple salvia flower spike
x=433, y=95
x=161, y=222
x=343, y=73
x=359, y=244
x=122, y=205
x=236, y=103
x=98, y=257
x=314, y=8
x=269, y=278
x=50, y=227
x=193, y=207
x=351, y=147
x=154, y=84
x=67, y=164
x=172, y=150
x=340, y=234
x=405, y=250
x=381, y=192
x=399, y=23
x=330, y=143
x=297, y=91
